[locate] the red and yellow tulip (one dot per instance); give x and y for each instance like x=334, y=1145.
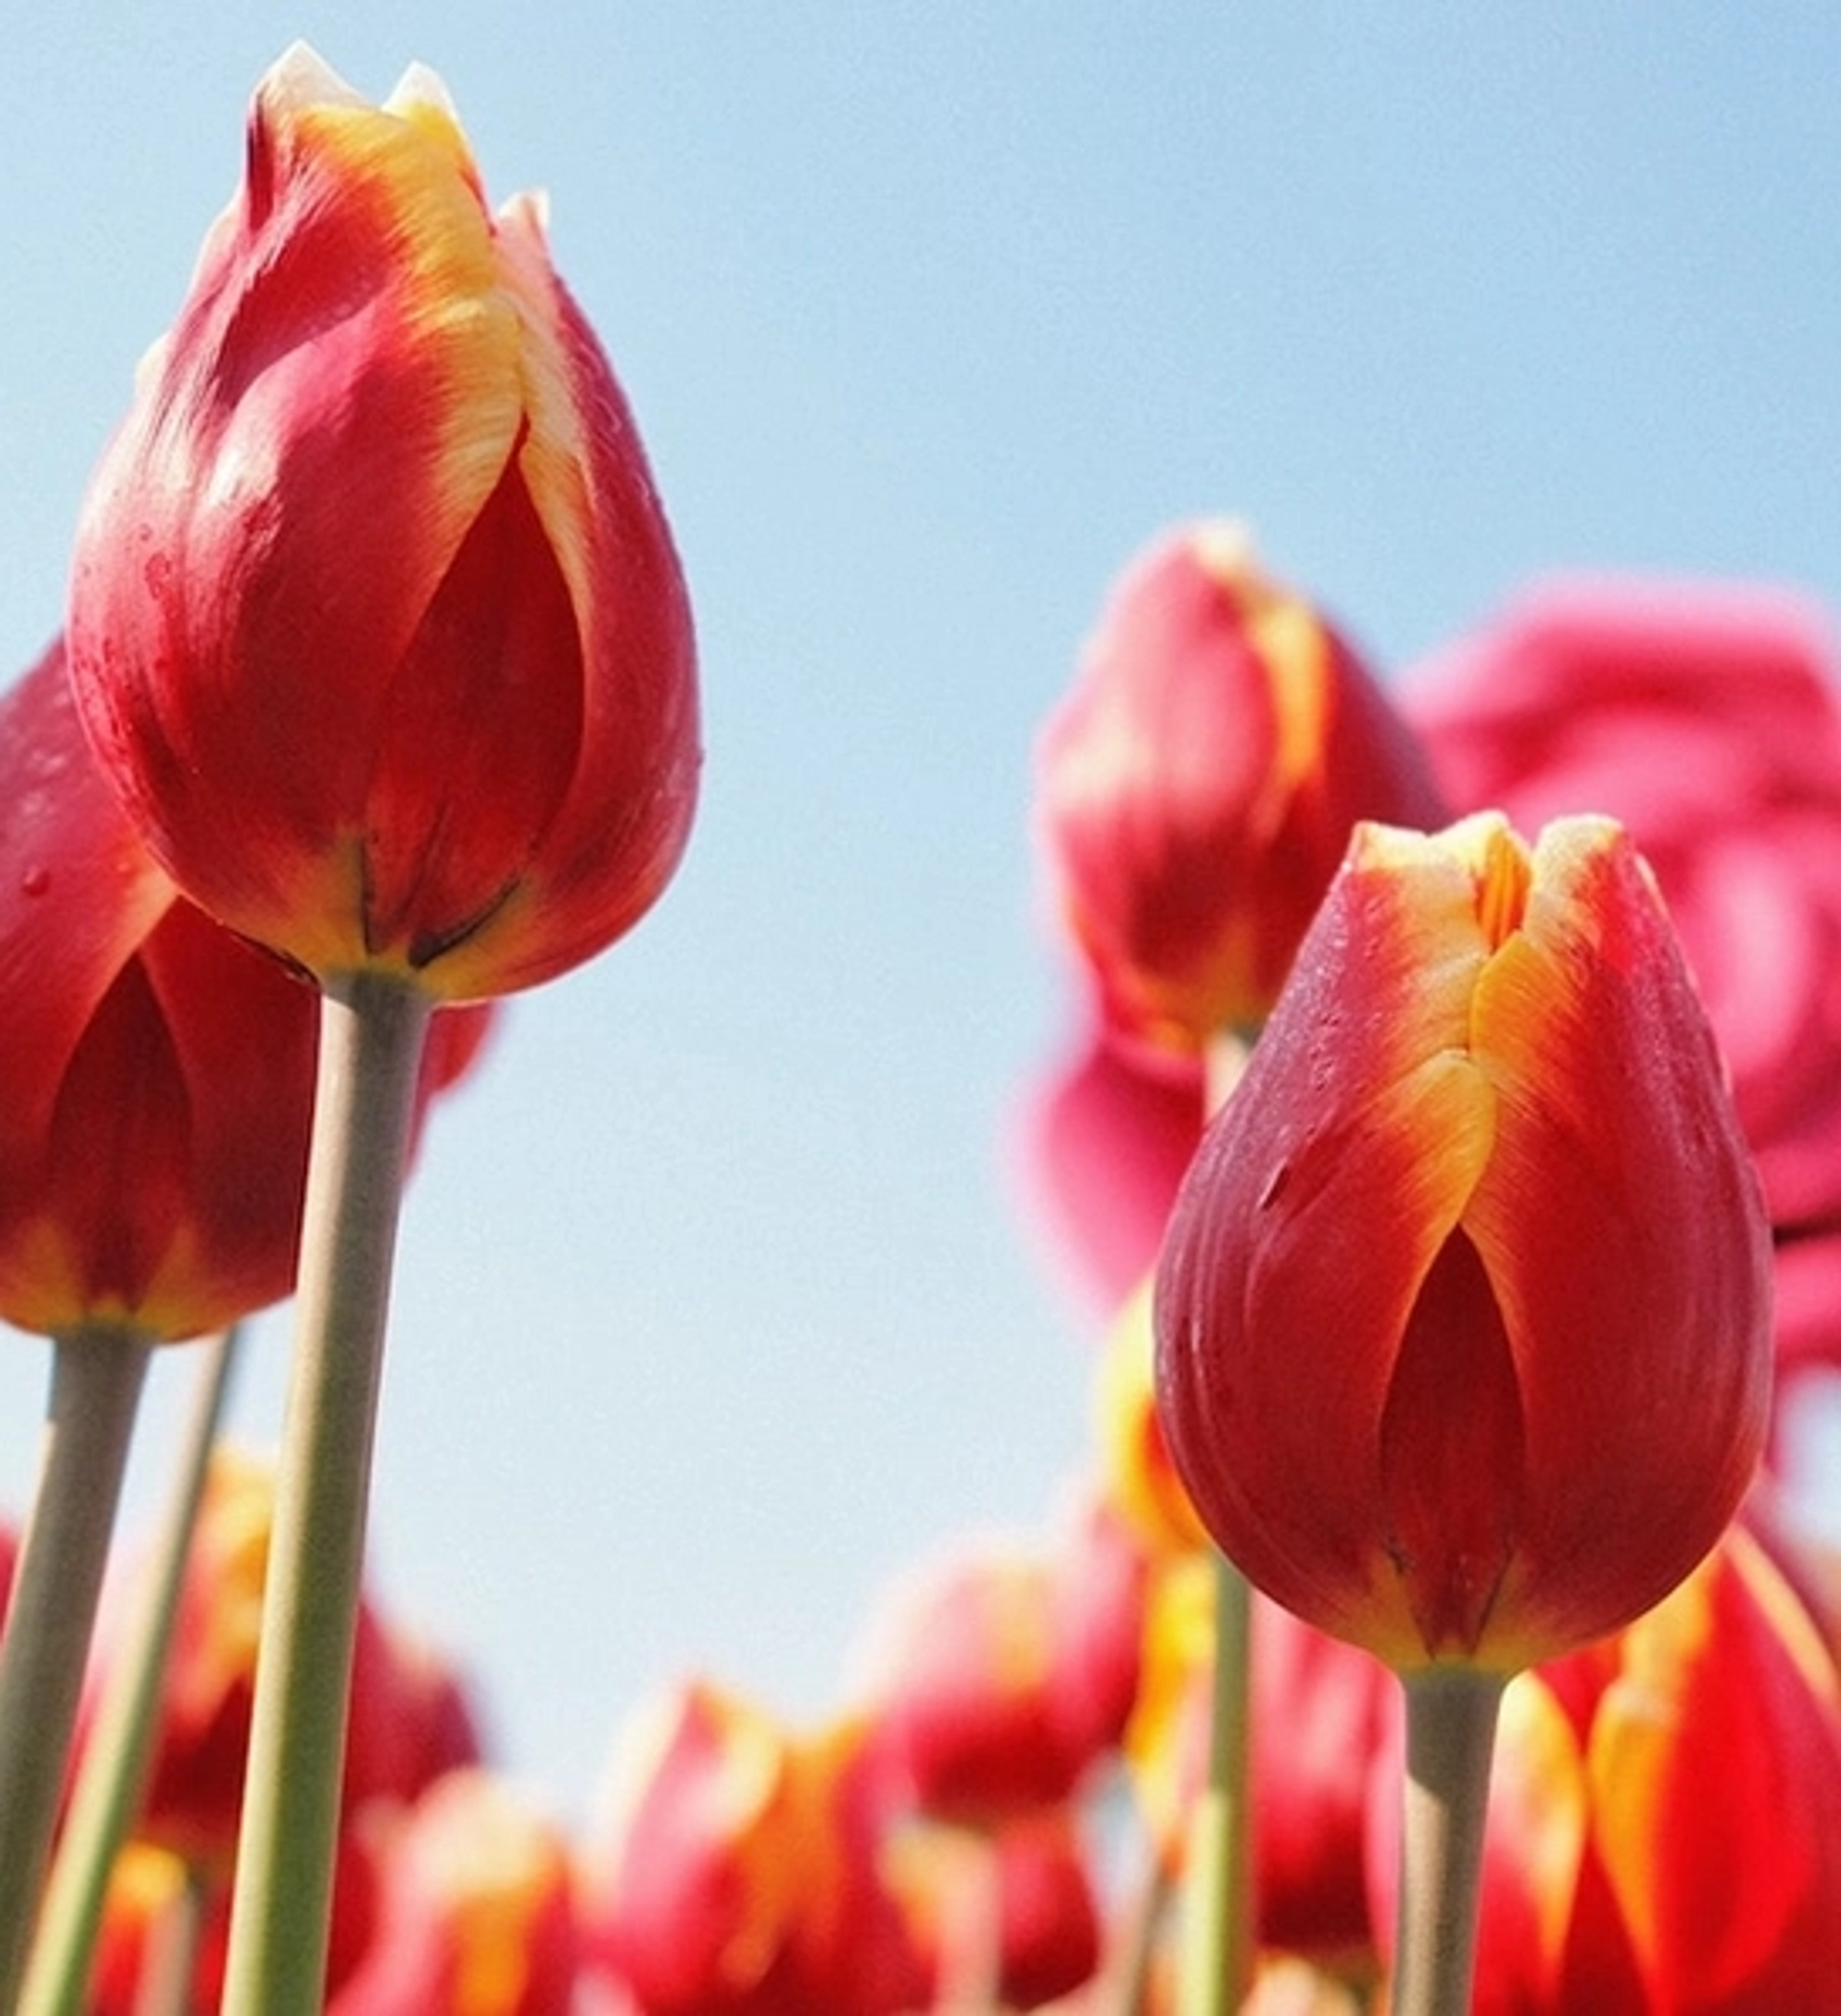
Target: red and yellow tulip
x=740, y=1872
x=375, y=619
x=1463, y=1320
x=1665, y=1813
x=156, y=1079
x=1197, y=787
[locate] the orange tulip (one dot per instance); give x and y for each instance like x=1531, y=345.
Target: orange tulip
x=1197, y=787
x=1462, y=1322
x=376, y=621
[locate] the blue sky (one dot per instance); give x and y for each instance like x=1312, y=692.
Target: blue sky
x=713, y=1310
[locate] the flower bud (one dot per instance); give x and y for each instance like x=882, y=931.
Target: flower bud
x=156, y=1076
x=375, y=621
x=1197, y=788
x=1463, y=1321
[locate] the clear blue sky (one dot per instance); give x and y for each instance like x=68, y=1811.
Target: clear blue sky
x=713, y=1312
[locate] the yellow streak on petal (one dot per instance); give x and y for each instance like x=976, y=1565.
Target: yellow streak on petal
x=1539, y=1805
x=554, y=456
x=1634, y=1737
x=1290, y=640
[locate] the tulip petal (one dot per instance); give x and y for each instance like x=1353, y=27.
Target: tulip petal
x=1453, y=1453
x=346, y=360
x=1725, y=1684
x=1621, y=1227
x=1314, y=1210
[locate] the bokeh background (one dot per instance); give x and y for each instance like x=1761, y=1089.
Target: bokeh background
x=715, y=1312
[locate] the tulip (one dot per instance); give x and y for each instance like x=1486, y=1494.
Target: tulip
x=1665, y=1813
x=474, y=1911
x=156, y=1086
x=377, y=629
x=1706, y=718
x=738, y=1874
x=1463, y=1319
x=375, y=618
x=1007, y=1919
x=1000, y=1677
x=1197, y=787
x=1098, y=1149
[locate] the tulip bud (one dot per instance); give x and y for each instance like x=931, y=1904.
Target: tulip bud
x=1197, y=786
x=740, y=1876
x=1463, y=1319
x=999, y=1676
x=375, y=621
x=474, y=1913
x=156, y=1079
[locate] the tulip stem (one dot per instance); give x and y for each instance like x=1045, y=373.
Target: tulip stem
x=1451, y=1716
x=372, y=1030
x=108, y=1791
x=1123, y=1986
x=97, y=1372
x=1216, y=1951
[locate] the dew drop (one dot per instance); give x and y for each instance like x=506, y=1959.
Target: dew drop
x=35, y=881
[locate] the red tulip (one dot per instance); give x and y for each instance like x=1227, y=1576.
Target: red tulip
x=739, y=1877
x=1463, y=1320
x=1009, y=1918
x=999, y=1677
x=1099, y=1148
x=474, y=1911
x=376, y=621
x=1197, y=786
x=1706, y=718
x=156, y=1078
x=1665, y=1814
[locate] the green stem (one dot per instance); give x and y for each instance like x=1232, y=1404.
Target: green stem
x=1123, y=1986
x=1217, y=1942
x=96, y=1376
x=372, y=1034
x=1451, y=1738
x=107, y=1792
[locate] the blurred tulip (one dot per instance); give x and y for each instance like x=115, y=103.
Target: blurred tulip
x=409, y=1721
x=1707, y=720
x=999, y=1677
x=166, y=1925
x=1007, y=1919
x=375, y=621
x=474, y=1913
x=1196, y=789
x=1099, y=1149
x=1463, y=1319
x=739, y=1875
